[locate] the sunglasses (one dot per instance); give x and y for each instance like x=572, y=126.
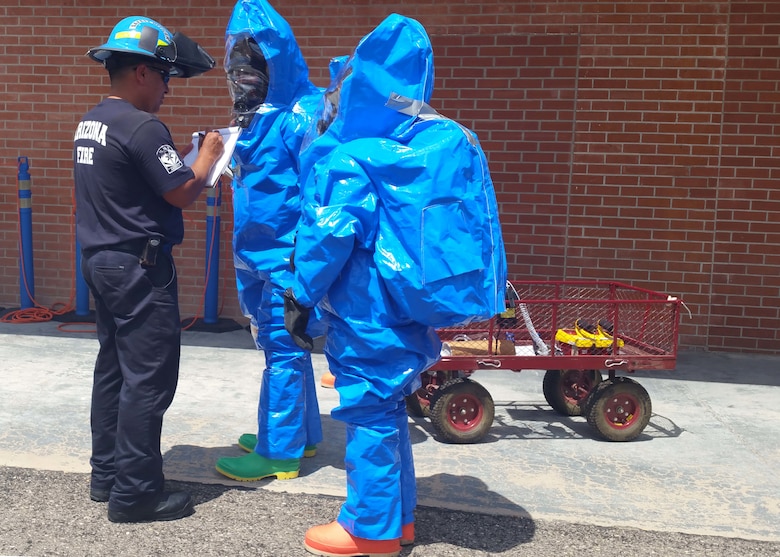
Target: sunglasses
x=166, y=76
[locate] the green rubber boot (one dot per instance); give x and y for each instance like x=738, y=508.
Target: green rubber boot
x=248, y=442
x=252, y=466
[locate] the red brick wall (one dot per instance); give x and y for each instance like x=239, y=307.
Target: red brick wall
x=631, y=141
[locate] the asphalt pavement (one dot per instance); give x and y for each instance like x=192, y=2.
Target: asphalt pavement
x=702, y=479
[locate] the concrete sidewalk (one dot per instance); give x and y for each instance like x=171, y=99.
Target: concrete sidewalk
x=708, y=462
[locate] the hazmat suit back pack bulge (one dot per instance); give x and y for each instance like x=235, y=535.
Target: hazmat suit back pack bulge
x=275, y=101
x=364, y=160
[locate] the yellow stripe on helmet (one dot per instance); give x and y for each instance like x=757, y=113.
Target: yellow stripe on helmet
x=136, y=35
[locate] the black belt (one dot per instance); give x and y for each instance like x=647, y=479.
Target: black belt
x=133, y=247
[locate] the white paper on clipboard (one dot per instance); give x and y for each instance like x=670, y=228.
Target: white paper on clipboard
x=229, y=139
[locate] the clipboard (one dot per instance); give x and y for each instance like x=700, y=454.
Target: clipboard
x=229, y=139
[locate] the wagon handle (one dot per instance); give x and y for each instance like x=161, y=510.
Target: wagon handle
x=614, y=363
x=490, y=363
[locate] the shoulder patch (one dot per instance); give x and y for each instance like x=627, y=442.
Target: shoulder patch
x=169, y=158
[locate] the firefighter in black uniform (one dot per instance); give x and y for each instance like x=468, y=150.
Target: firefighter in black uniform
x=131, y=186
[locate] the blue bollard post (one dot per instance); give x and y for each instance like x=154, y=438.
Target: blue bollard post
x=211, y=298
x=211, y=321
x=81, y=312
x=26, y=273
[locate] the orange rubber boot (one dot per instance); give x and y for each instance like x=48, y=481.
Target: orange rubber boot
x=332, y=540
x=407, y=534
x=328, y=380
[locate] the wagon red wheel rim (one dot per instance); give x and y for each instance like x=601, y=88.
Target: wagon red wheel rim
x=576, y=384
x=464, y=412
x=621, y=410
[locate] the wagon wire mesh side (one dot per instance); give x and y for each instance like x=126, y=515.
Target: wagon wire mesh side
x=643, y=322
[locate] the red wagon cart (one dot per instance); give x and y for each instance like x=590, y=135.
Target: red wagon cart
x=584, y=333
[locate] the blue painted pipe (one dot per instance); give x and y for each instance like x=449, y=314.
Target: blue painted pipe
x=26, y=273
x=211, y=298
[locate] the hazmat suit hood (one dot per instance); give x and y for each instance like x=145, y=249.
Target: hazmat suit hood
x=396, y=59
x=270, y=36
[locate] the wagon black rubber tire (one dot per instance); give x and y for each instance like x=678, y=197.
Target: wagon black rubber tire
x=620, y=409
x=462, y=411
x=563, y=389
x=593, y=395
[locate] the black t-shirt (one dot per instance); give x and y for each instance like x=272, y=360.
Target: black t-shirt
x=124, y=161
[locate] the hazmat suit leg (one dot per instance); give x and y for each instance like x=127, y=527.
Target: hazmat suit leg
x=408, y=480
x=288, y=414
x=312, y=421
x=372, y=509
x=381, y=485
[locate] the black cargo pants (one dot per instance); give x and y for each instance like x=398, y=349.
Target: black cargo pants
x=136, y=371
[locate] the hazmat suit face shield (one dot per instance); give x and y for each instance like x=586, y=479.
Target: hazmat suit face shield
x=328, y=109
x=247, y=78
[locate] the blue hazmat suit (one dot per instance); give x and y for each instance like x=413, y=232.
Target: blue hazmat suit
x=275, y=100
x=363, y=158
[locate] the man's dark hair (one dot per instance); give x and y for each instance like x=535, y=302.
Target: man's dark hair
x=118, y=61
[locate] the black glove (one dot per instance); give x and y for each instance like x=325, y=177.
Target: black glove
x=296, y=318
